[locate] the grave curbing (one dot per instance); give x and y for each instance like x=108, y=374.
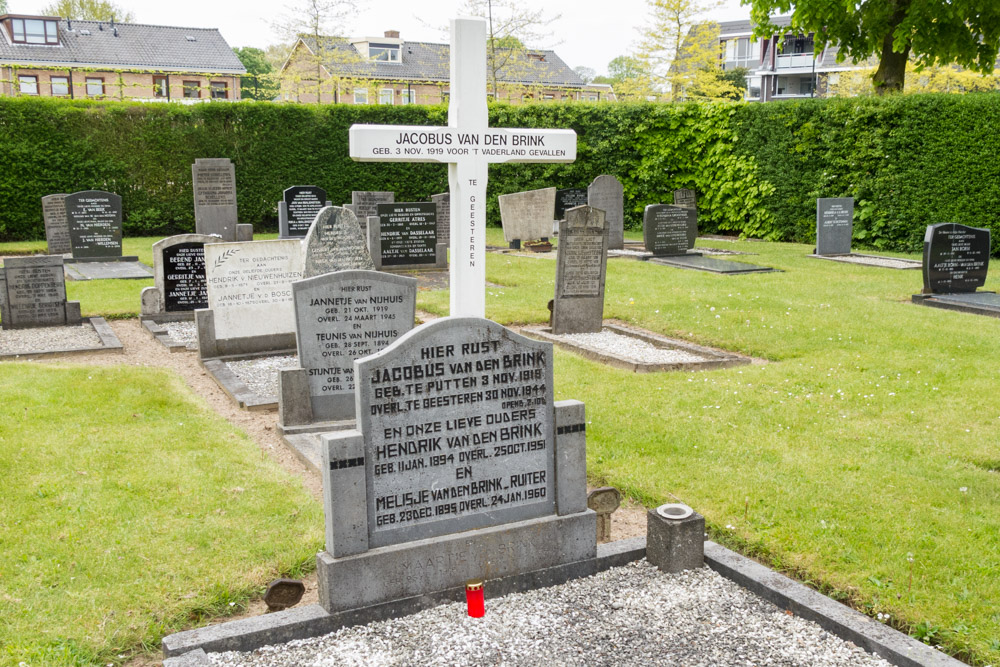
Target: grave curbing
x=109, y=344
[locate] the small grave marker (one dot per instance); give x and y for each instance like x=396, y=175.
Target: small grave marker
x=298, y=208
x=604, y=501
x=581, y=266
x=834, y=225
x=365, y=203
x=607, y=194
x=56, y=224
x=33, y=293
x=404, y=236
x=669, y=230
x=685, y=197
x=568, y=198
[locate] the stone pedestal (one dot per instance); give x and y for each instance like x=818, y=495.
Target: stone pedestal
x=675, y=545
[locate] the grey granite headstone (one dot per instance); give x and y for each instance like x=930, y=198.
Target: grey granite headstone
x=56, y=225
x=366, y=202
x=443, y=203
x=214, y=184
x=669, y=230
x=178, y=274
x=569, y=198
x=403, y=236
x=528, y=216
x=685, y=197
x=335, y=243
x=95, y=224
x=581, y=266
x=607, y=194
x=341, y=317
x=298, y=208
x=834, y=225
x=33, y=293
x=956, y=258
x=463, y=467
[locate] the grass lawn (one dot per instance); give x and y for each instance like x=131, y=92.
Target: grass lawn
x=131, y=511
x=863, y=456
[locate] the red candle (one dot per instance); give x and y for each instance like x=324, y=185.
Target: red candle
x=474, y=598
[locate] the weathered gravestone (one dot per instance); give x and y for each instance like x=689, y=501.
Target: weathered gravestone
x=607, y=194
x=462, y=467
x=443, y=203
x=364, y=203
x=298, y=208
x=834, y=225
x=685, y=197
x=339, y=317
x=527, y=216
x=33, y=293
x=179, y=274
x=250, y=309
x=214, y=184
x=581, y=264
x=956, y=258
x=669, y=229
x=335, y=243
x=568, y=198
x=94, y=218
x=56, y=225
x=404, y=236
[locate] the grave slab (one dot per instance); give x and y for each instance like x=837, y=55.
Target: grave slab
x=976, y=303
x=834, y=225
x=94, y=218
x=581, y=266
x=711, y=265
x=879, y=261
x=669, y=230
x=214, y=189
x=56, y=224
x=527, y=216
x=403, y=236
x=38, y=348
x=606, y=193
x=118, y=270
x=298, y=208
x=33, y=293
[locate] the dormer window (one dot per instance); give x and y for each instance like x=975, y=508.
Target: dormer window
x=33, y=30
x=383, y=52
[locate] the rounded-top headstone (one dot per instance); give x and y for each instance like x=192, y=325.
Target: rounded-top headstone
x=335, y=243
x=956, y=258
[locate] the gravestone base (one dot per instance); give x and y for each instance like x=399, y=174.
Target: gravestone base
x=304, y=441
x=976, y=303
x=244, y=232
x=436, y=565
x=711, y=265
x=210, y=347
x=102, y=268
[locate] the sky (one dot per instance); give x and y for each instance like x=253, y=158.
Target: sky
x=588, y=33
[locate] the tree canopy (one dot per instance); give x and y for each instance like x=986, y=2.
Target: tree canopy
x=932, y=32
x=260, y=81
x=88, y=10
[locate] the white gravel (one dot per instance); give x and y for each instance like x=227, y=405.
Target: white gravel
x=632, y=615
x=48, y=339
x=632, y=349
x=885, y=262
x=260, y=375
x=183, y=332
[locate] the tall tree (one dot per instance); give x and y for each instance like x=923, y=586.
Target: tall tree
x=629, y=79
x=320, y=22
x=89, y=10
x=932, y=32
x=585, y=73
x=260, y=82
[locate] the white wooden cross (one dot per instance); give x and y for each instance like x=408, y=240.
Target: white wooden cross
x=468, y=145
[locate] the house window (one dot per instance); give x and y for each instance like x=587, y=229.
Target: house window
x=407, y=97
x=385, y=52
x=34, y=31
x=385, y=96
x=548, y=97
x=445, y=95
x=220, y=90
x=95, y=86
x=192, y=89
x=60, y=86
x=591, y=98
x=361, y=96
x=28, y=84
x=160, y=88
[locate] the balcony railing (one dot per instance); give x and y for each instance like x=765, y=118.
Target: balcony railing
x=795, y=60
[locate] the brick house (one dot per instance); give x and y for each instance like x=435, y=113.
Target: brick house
x=53, y=57
x=389, y=70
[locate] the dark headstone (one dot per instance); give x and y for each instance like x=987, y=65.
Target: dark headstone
x=335, y=243
x=366, y=202
x=956, y=258
x=407, y=233
x=443, y=203
x=179, y=275
x=95, y=224
x=669, y=230
x=685, y=197
x=581, y=264
x=298, y=209
x=607, y=194
x=33, y=293
x=56, y=225
x=214, y=184
x=569, y=198
x=834, y=225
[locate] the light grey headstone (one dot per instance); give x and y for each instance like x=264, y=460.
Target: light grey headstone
x=214, y=185
x=443, y=203
x=581, y=266
x=834, y=225
x=685, y=197
x=669, y=229
x=366, y=202
x=34, y=293
x=56, y=225
x=528, y=216
x=341, y=317
x=178, y=275
x=607, y=194
x=95, y=224
x=250, y=286
x=335, y=243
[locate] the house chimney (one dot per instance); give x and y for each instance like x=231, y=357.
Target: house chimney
x=392, y=34
x=116, y=32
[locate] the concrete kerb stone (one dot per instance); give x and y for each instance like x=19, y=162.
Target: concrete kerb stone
x=109, y=344
x=236, y=388
x=154, y=325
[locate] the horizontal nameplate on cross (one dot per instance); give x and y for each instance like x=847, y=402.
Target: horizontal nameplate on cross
x=396, y=143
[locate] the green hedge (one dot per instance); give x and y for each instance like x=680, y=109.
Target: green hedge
x=908, y=161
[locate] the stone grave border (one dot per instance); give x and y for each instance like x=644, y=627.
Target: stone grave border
x=74, y=274
x=109, y=343
x=850, y=259
x=678, y=262
x=188, y=648
x=715, y=358
x=235, y=388
x=956, y=303
x=154, y=325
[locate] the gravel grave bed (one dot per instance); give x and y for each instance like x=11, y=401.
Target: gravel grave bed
x=886, y=262
x=48, y=339
x=260, y=375
x=183, y=332
x=631, y=615
x=632, y=349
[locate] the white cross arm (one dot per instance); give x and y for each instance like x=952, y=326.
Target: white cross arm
x=420, y=143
